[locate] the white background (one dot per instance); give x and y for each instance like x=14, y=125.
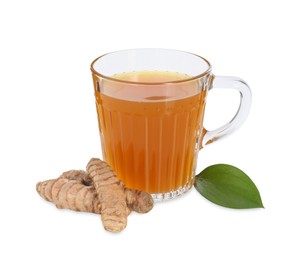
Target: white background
x=49, y=125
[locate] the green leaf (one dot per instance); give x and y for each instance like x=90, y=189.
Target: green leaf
x=228, y=186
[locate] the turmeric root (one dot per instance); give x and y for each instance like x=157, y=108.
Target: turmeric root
x=111, y=195
x=138, y=201
x=76, y=190
x=86, y=198
x=72, y=190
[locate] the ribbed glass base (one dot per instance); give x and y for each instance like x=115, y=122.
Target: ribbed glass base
x=172, y=194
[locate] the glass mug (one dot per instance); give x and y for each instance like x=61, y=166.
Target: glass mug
x=150, y=105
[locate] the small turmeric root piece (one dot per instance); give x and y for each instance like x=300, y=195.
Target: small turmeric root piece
x=111, y=194
x=139, y=201
x=72, y=190
x=114, y=198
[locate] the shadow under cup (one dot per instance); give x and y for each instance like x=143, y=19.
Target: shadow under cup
x=150, y=105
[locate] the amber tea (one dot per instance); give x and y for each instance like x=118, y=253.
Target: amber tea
x=150, y=137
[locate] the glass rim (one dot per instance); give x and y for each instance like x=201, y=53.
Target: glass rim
x=200, y=75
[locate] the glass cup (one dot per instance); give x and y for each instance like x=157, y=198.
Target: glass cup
x=150, y=105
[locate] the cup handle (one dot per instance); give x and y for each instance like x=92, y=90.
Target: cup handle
x=241, y=115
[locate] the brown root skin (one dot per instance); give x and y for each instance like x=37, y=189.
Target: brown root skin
x=76, y=190
x=78, y=175
x=139, y=201
x=111, y=195
x=69, y=194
